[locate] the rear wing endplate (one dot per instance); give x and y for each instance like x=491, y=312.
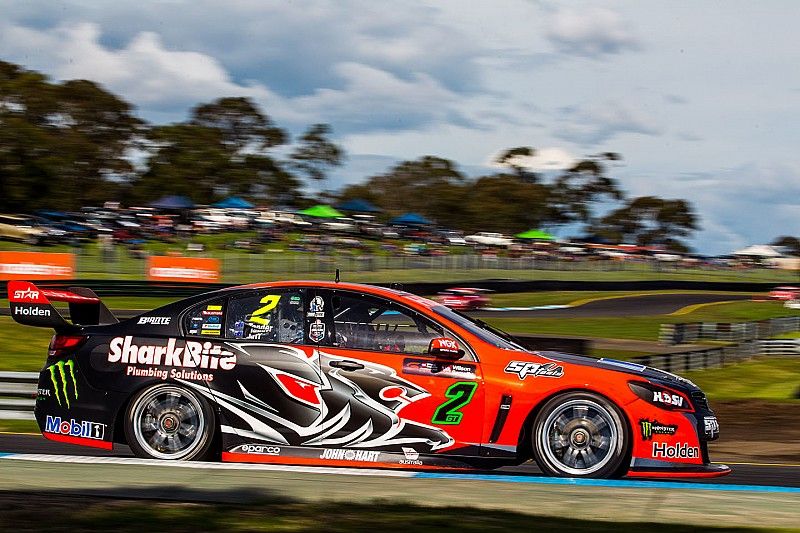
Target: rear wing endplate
x=31, y=305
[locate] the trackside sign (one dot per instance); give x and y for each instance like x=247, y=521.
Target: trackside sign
x=36, y=265
x=168, y=268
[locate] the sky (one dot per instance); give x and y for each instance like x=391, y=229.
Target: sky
x=701, y=98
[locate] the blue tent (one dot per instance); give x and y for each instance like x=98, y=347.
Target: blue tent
x=358, y=206
x=173, y=203
x=234, y=202
x=411, y=219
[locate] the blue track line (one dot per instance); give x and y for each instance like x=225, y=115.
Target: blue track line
x=615, y=483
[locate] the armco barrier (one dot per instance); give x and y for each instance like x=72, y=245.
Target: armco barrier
x=17, y=395
x=729, y=332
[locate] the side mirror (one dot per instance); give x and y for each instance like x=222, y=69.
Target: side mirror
x=446, y=348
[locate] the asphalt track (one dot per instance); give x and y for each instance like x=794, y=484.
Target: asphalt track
x=644, y=305
x=778, y=475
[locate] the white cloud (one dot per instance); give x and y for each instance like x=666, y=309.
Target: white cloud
x=591, y=32
x=597, y=123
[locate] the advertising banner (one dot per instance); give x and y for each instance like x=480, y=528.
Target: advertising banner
x=170, y=268
x=36, y=265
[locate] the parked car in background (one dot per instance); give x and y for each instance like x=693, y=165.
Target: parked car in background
x=489, y=239
x=27, y=230
x=463, y=298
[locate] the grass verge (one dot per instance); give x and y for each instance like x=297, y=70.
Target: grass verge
x=18, y=426
x=762, y=378
x=23, y=511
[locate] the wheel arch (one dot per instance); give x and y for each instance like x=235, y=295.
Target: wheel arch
x=119, y=418
x=525, y=444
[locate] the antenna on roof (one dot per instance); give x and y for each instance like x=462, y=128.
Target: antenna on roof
x=337, y=276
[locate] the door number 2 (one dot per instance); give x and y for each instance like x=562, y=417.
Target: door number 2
x=459, y=395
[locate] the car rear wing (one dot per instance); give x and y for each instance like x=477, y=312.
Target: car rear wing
x=32, y=306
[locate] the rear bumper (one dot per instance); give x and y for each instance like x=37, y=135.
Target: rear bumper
x=680, y=471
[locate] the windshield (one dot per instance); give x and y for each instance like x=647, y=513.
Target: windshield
x=480, y=329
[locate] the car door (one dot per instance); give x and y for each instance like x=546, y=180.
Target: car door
x=398, y=398
x=275, y=394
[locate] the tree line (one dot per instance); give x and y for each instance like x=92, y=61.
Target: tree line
x=65, y=145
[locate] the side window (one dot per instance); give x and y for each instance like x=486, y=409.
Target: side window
x=273, y=316
x=206, y=319
x=367, y=323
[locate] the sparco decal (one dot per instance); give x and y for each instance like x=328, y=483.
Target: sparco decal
x=62, y=375
x=367, y=456
x=678, y=451
x=176, y=353
x=75, y=428
x=258, y=449
x=653, y=427
x=524, y=369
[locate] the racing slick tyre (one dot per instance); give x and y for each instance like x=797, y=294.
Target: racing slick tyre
x=170, y=422
x=580, y=434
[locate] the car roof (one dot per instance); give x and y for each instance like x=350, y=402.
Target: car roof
x=374, y=290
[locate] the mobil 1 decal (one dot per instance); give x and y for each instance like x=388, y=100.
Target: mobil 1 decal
x=458, y=395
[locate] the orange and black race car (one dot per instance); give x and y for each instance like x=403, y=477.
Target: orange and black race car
x=343, y=374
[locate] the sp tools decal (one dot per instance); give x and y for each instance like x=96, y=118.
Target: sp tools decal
x=653, y=427
x=710, y=426
x=62, y=375
x=524, y=369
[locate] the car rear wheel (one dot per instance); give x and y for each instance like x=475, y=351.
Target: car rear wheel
x=580, y=435
x=169, y=422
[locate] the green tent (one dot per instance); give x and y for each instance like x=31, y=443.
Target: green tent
x=321, y=211
x=535, y=234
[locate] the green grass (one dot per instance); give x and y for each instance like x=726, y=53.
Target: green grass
x=530, y=299
x=23, y=511
x=641, y=327
x=22, y=348
x=18, y=426
x=763, y=378
x=790, y=335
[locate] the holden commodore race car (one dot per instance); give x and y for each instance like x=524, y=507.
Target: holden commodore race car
x=329, y=373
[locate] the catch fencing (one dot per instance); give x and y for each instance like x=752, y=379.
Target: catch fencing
x=729, y=332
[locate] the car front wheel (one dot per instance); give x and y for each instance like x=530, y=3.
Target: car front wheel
x=169, y=422
x=580, y=434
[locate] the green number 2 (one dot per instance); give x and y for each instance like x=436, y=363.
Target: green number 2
x=459, y=394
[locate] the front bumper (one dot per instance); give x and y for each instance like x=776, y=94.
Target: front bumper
x=679, y=471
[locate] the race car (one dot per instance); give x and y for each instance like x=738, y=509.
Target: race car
x=329, y=373
x=463, y=298
x=784, y=294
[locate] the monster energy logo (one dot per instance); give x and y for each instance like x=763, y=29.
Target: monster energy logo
x=59, y=374
x=653, y=427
